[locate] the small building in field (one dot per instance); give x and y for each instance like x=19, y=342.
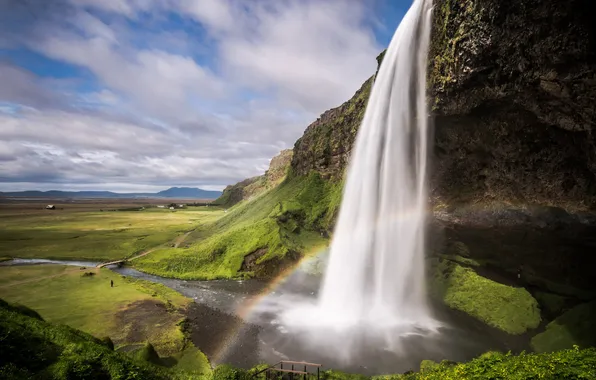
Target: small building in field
x=161, y=206
x=171, y=207
x=181, y=206
x=50, y=207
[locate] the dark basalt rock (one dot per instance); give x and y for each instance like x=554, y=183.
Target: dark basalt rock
x=514, y=88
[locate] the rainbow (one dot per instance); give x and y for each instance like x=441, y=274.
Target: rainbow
x=248, y=306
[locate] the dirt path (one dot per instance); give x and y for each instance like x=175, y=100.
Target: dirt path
x=176, y=243
x=180, y=239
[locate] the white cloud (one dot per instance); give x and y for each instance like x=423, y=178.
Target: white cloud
x=161, y=114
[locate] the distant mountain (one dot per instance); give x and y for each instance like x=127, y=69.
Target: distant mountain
x=173, y=192
x=188, y=192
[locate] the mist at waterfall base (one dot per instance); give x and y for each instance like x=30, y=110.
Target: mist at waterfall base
x=372, y=299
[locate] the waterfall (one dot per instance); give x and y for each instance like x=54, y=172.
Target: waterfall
x=376, y=268
x=373, y=293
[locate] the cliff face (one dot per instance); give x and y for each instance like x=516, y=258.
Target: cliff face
x=326, y=144
x=513, y=86
x=278, y=168
x=512, y=89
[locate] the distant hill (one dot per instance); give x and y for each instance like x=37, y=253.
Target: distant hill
x=173, y=192
x=188, y=192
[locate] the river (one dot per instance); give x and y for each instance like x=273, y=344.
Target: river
x=235, y=322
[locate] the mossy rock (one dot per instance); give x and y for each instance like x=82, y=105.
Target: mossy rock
x=575, y=327
x=507, y=308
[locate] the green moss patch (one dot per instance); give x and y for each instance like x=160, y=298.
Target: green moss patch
x=510, y=309
x=575, y=327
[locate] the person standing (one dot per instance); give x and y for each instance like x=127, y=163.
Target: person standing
x=111, y=283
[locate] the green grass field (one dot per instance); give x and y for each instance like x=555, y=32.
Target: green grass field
x=73, y=234
x=131, y=313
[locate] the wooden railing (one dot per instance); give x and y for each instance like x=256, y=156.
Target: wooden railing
x=290, y=370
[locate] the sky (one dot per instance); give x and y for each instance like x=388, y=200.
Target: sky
x=141, y=95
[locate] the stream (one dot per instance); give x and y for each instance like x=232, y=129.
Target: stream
x=236, y=322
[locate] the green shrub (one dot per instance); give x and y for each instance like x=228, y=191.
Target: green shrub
x=574, y=364
x=428, y=365
x=227, y=372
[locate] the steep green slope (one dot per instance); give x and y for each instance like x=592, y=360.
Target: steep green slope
x=257, y=237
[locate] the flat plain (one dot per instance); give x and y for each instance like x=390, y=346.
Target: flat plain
x=94, y=230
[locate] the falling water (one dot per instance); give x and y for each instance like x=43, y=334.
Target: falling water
x=376, y=268
x=375, y=279
x=372, y=301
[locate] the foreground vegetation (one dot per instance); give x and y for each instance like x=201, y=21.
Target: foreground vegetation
x=33, y=348
x=75, y=234
x=568, y=364
x=131, y=313
x=286, y=219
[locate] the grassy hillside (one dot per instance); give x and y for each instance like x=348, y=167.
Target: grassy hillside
x=33, y=348
x=131, y=313
x=279, y=223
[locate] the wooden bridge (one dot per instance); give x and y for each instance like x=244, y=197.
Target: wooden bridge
x=290, y=370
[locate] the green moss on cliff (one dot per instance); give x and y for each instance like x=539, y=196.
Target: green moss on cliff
x=510, y=309
x=575, y=327
x=326, y=143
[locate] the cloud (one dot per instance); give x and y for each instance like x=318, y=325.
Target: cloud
x=157, y=82
x=22, y=87
x=172, y=92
